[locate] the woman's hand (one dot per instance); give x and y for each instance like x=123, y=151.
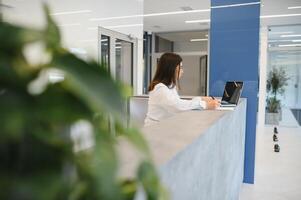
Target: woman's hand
x=212, y=104
x=206, y=99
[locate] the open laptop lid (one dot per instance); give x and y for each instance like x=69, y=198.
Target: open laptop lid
x=232, y=92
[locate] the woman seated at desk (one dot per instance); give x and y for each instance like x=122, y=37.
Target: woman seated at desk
x=164, y=100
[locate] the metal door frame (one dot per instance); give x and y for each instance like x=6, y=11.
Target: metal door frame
x=113, y=35
x=206, y=72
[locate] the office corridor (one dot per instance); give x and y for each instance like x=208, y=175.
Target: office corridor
x=277, y=175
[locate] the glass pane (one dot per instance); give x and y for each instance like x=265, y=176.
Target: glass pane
x=124, y=61
x=105, y=50
x=285, y=62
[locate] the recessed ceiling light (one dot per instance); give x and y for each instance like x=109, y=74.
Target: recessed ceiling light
x=122, y=26
x=197, y=21
x=284, y=32
x=280, y=40
x=286, y=36
x=77, y=50
x=289, y=45
x=150, y=15
x=66, y=25
x=112, y=18
x=176, y=12
x=262, y=17
x=199, y=40
x=276, y=16
x=236, y=5
x=296, y=40
x=71, y=12
x=294, y=7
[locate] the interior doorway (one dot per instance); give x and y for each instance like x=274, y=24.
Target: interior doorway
x=119, y=52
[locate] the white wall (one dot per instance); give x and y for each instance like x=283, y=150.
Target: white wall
x=190, y=46
x=190, y=82
x=262, y=76
x=78, y=31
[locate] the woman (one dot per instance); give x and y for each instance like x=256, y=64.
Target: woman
x=164, y=100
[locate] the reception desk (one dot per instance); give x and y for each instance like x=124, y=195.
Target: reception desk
x=199, y=154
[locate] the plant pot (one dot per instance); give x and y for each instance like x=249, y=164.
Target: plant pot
x=272, y=118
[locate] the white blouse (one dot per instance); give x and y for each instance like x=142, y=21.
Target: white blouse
x=165, y=102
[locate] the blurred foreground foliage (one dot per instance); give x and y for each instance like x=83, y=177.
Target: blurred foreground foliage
x=37, y=149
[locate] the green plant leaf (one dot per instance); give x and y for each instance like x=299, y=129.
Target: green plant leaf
x=52, y=33
x=98, y=168
x=36, y=151
x=45, y=185
x=273, y=105
x=134, y=136
x=91, y=82
x=128, y=189
x=14, y=38
x=149, y=179
x=78, y=191
x=276, y=81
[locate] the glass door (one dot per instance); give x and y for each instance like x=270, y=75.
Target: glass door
x=105, y=50
x=124, y=61
x=119, y=52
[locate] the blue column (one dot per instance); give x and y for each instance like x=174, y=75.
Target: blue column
x=234, y=52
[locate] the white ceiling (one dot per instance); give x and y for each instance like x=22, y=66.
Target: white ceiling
x=78, y=30
x=29, y=9
x=154, y=6
x=81, y=30
x=169, y=23
x=177, y=22
x=184, y=36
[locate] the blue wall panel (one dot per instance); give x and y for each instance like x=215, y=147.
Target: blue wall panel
x=234, y=52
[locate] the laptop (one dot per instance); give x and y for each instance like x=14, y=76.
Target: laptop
x=232, y=93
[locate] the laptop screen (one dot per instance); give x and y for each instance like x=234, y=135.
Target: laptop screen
x=232, y=92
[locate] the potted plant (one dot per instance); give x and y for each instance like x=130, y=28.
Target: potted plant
x=276, y=82
x=55, y=136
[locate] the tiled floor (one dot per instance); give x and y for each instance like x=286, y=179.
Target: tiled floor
x=288, y=119
x=277, y=175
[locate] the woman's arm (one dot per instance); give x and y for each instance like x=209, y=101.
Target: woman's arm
x=171, y=100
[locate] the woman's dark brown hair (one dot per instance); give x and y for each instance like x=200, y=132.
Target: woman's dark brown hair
x=166, y=70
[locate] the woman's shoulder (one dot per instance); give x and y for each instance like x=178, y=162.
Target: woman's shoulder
x=160, y=85
x=161, y=88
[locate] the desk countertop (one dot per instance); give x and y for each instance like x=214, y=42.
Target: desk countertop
x=170, y=136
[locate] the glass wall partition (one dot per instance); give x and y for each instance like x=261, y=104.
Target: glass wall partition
x=284, y=75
